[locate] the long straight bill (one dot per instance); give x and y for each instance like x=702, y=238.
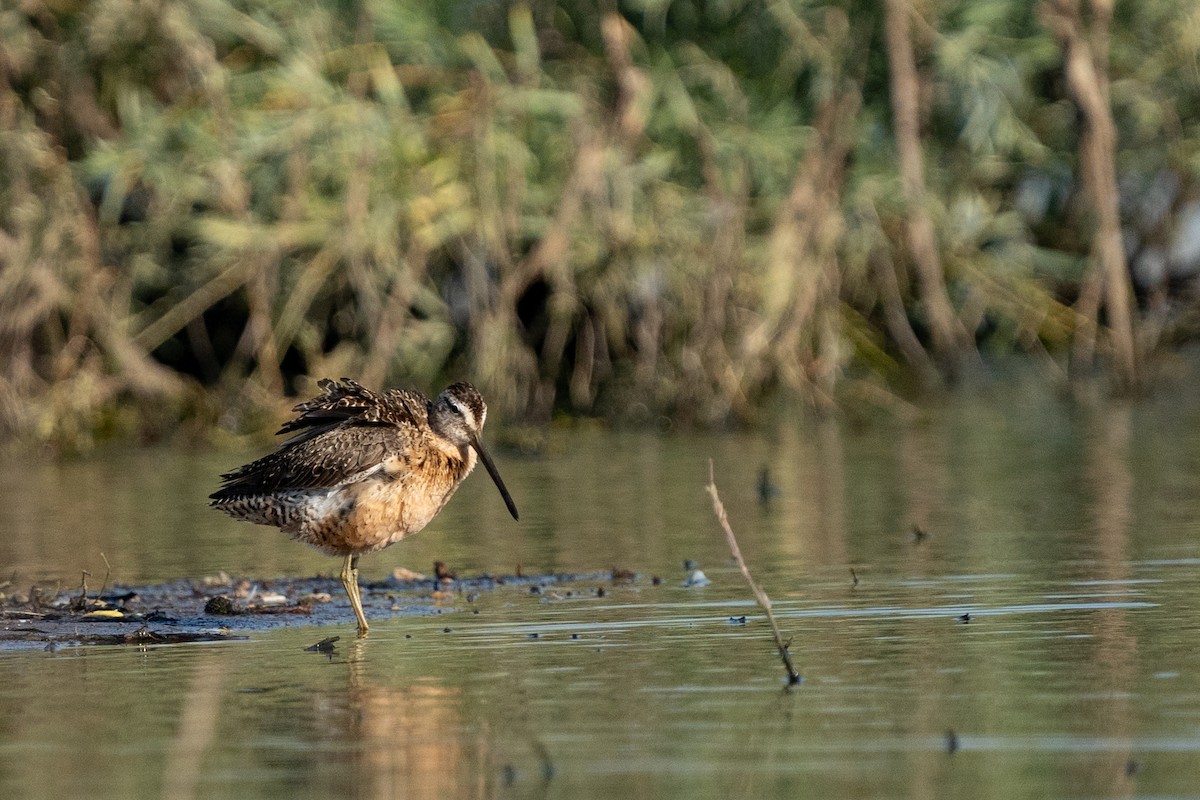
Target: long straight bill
x=491, y=468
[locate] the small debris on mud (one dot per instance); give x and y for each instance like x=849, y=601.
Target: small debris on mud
x=280, y=609
x=105, y=613
x=271, y=599
x=407, y=575
x=443, y=573
x=323, y=646
x=220, y=606
x=214, y=581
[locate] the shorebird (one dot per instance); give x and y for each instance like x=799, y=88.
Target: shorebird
x=363, y=470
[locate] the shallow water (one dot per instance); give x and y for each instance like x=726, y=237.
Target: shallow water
x=1066, y=532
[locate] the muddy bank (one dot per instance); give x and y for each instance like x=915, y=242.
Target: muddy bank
x=220, y=608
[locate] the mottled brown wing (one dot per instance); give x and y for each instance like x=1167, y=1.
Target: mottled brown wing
x=347, y=400
x=341, y=436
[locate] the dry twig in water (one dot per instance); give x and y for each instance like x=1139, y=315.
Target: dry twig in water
x=81, y=602
x=107, y=575
x=764, y=601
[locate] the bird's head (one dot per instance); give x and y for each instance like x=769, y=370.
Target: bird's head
x=458, y=414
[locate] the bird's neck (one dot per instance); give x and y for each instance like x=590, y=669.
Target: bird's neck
x=455, y=453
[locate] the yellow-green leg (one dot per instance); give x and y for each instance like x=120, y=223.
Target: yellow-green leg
x=350, y=584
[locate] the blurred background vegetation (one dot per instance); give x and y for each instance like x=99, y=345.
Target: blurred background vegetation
x=633, y=210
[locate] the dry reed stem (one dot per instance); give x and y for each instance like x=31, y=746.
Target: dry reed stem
x=81, y=602
x=764, y=601
x=107, y=575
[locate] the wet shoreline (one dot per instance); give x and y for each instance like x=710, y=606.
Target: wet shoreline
x=219, y=608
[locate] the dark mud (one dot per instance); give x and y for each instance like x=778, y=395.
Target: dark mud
x=220, y=608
